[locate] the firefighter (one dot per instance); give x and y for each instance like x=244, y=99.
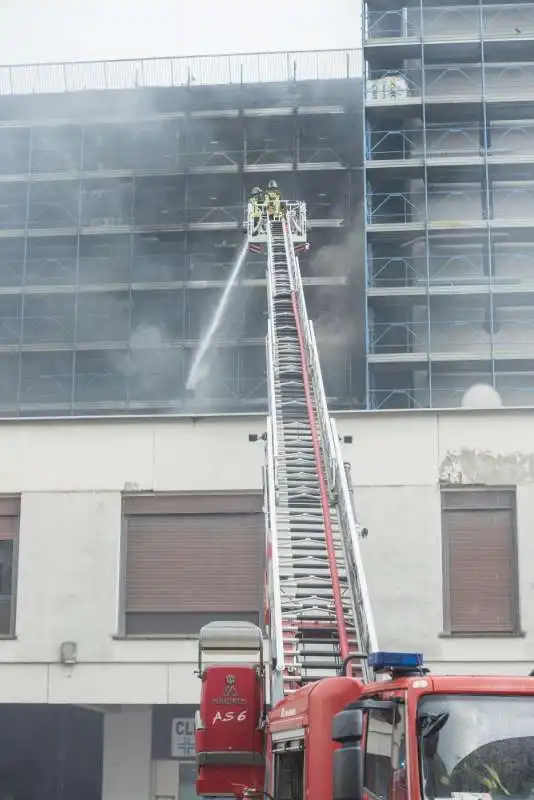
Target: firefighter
x=256, y=200
x=273, y=200
x=481, y=779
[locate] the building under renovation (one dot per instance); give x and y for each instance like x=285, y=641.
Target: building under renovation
x=449, y=165
x=123, y=188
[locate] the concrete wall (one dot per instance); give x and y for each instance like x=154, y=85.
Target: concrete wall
x=71, y=475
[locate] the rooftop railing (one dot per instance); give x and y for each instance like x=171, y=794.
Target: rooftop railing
x=146, y=73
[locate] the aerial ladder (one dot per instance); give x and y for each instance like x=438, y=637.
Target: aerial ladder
x=318, y=605
x=318, y=616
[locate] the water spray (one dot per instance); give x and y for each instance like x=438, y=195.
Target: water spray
x=196, y=372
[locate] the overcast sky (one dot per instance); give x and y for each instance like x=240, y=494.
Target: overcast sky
x=75, y=30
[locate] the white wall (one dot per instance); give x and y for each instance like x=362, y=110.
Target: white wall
x=401, y=457
x=71, y=474
x=127, y=746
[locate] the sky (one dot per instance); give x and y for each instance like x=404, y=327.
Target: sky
x=33, y=31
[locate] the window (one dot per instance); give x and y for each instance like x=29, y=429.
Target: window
x=480, y=562
x=384, y=753
x=9, y=526
x=190, y=559
x=469, y=743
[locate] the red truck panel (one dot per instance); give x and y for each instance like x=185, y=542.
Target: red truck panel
x=230, y=741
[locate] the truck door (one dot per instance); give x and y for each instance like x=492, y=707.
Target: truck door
x=288, y=764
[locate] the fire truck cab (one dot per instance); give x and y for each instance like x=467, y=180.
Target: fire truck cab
x=422, y=737
x=407, y=736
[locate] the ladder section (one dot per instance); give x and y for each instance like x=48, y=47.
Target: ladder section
x=312, y=626
x=345, y=527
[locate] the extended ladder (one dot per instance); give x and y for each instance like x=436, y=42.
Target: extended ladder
x=317, y=600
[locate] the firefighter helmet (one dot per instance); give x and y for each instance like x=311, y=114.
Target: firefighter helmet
x=256, y=191
x=273, y=185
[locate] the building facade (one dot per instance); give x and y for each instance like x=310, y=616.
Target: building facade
x=118, y=540
x=449, y=164
x=123, y=189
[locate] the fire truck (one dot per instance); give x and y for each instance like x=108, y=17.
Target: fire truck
x=317, y=711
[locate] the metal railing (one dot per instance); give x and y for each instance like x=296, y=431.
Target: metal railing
x=453, y=23
x=216, y=70
x=455, y=142
x=512, y=336
x=457, y=205
x=463, y=270
x=461, y=82
x=295, y=214
x=515, y=390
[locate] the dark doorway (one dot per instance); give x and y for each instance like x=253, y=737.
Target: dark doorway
x=50, y=752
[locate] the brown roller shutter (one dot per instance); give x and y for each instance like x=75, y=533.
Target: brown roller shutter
x=184, y=563
x=480, y=559
x=9, y=529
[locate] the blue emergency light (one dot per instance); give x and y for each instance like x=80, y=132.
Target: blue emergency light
x=395, y=662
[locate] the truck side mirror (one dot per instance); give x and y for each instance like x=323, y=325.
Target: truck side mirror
x=347, y=730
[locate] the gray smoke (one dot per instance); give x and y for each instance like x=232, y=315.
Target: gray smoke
x=337, y=313
x=152, y=366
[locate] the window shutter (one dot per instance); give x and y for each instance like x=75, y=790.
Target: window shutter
x=194, y=563
x=194, y=554
x=481, y=564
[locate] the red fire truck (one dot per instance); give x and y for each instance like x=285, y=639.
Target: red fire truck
x=408, y=735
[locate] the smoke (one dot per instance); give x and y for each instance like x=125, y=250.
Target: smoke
x=156, y=364
x=131, y=337
x=337, y=311
x=153, y=368
x=481, y=395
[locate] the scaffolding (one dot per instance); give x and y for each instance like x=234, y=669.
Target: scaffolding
x=121, y=215
x=449, y=184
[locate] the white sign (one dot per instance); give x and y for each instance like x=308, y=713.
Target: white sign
x=183, y=737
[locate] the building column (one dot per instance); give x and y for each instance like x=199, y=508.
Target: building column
x=127, y=744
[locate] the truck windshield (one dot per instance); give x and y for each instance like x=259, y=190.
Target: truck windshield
x=477, y=744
